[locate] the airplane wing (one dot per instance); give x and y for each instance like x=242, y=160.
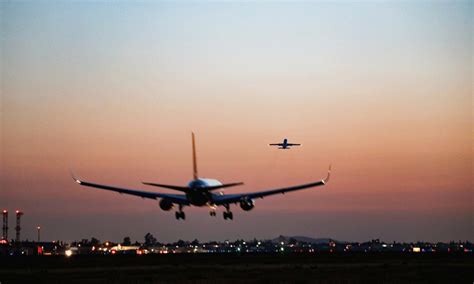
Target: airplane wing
x=293, y=144
x=276, y=144
x=175, y=198
x=233, y=198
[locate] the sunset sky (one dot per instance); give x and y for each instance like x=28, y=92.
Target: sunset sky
x=382, y=91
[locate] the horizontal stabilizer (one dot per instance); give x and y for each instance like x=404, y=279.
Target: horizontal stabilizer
x=174, y=187
x=224, y=185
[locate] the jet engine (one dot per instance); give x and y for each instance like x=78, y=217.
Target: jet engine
x=246, y=204
x=166, y=205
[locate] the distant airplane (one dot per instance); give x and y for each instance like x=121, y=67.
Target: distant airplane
x=284, y=145
x=199, y=192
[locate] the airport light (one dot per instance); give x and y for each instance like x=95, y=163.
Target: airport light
x=68, y=253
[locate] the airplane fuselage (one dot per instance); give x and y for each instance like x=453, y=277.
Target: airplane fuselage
x=284, y=145
x=197, y=194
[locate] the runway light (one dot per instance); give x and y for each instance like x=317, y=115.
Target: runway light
x=68, y=253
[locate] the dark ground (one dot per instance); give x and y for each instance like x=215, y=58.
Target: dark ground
x=246, y=268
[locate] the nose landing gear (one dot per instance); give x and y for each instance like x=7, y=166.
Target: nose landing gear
x=212, y=209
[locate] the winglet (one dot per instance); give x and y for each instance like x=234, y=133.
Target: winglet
x=328, y=176
x=74, y=177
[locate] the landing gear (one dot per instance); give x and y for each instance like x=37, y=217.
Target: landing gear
x=228, y=214
x=180, y=214
x=212, y=213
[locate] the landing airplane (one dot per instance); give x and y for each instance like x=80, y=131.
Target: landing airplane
x=199, y=192
x=284, y=145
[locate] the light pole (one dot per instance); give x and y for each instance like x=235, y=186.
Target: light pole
x=39, y=233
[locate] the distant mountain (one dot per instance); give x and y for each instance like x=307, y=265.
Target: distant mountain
x=318, y=241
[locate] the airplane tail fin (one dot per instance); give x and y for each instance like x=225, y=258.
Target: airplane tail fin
x=195, y=171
